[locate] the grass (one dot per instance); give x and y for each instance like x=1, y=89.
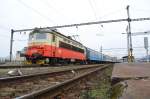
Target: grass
x=117, y=91
x=101, y=88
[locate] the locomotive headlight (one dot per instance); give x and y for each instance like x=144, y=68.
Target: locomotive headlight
x=33, y=51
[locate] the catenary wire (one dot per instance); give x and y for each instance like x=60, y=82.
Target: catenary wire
x=36, y=11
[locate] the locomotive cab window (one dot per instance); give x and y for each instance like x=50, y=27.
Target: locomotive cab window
x=41, y=36
x=31, y=37
x=53, y=37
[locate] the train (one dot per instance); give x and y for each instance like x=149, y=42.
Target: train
x=48, y=46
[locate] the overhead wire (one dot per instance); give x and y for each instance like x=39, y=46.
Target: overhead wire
x=45, y=2
x=49, y=5
x=5, y=36
x=105, y=15
x=36, y=11
x=123, y=52
x=93, y=9
x=143, y=10
x=94, y=12
x=4, y=28
x=123, y=48
x=111, y=13
x=21, y=40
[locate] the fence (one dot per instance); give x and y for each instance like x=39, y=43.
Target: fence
x=13, y=62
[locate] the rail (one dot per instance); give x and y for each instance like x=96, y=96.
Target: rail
x=58, y=88
x=35, y=65
x=42, y=74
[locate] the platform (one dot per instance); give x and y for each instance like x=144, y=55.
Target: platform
x=137, y=89
x=136, y=77
x=125, y=70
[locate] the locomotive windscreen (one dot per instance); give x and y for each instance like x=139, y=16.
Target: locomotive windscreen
x=37, y=36
x=40, y=36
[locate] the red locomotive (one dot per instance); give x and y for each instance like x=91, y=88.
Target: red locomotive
x=50, y=46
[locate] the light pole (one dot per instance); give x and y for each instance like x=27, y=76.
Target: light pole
x=101, y=48
x=11, y=44
x=101, y=51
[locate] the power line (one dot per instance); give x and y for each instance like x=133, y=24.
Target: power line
x=4, y=28
x=45, y=2
x=20, y=40
x=93, y=9
x=36, y=11
x=1, y=35
x=140, y=19
x=123, y=48
x=73, y=25
x=84, y=24
x=139, y=33
x=142, y=10
x=111, y=13
x=5, y=36
x=48, y=5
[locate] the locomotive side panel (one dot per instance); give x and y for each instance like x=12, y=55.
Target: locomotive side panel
x=66, y=48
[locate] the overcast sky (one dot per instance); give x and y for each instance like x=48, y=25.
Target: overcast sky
x=23, y=14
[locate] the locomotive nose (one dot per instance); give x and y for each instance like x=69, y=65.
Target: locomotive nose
x=34, y=52
x=36, y=55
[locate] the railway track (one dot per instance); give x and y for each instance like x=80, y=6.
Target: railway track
x=11, y=87
x=35, y=70
x=35, y=66
x=25, y=66
x=56, y=91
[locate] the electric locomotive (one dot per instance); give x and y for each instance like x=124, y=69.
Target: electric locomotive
x=50, y=46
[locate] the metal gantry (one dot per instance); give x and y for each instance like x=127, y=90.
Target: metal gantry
x=139, y=33
x=129, y=38
x=84, y=24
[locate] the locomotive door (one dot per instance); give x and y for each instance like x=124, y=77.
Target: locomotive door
x=54, y=45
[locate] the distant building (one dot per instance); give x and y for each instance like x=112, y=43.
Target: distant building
x=20, y=54
x=144, y=59
x=125, y=59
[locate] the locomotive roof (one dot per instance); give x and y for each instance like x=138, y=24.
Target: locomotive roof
x=52, y=31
